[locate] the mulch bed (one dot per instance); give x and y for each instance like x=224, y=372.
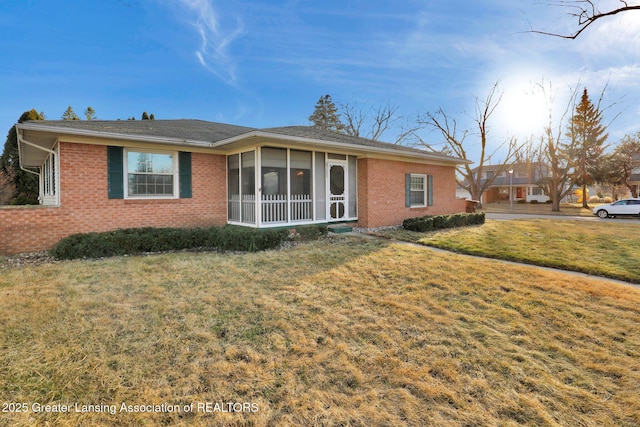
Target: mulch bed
x=26, y=259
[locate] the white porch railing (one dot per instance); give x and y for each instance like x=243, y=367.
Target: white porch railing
x=242, y=210
x=234, y=207
x=274, y=208
x=301, y=207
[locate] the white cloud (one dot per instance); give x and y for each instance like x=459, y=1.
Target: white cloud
x=213, y=52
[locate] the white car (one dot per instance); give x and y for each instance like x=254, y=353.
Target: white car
x=620, y=207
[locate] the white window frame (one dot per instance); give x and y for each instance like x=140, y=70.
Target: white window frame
x=50, y=179
x=424, y=190
x=174, y=173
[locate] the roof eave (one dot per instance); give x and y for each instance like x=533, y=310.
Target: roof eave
x=114, y=135
x=341, y=145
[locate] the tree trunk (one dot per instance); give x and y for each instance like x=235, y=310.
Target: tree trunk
x=584, y=197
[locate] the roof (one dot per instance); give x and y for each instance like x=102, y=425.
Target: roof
x=198, y=133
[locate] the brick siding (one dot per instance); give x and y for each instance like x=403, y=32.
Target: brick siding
x=381, y=192
x=85, y=206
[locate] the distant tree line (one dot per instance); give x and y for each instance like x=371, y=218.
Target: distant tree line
x=569, y=153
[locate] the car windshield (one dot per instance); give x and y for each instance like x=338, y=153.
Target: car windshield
x=620, y=202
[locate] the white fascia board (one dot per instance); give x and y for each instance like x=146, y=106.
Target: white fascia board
x=343, y=146
x=114, y=135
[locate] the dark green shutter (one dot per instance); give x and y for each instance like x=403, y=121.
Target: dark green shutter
x=184, y=163
x=407, y=190
x=115, y=171
x=429, y=190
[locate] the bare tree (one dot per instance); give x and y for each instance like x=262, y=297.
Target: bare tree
x=554, y=166
x=587, y=12
x=472, y=178
x=375, y=122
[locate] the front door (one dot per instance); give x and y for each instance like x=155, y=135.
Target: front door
x=337, y=185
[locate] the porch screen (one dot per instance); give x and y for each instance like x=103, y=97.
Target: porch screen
x=274, y=185
x=248, y=180
x=353, y=187
x=300, y=180
x=320, y=186
x=233, y=178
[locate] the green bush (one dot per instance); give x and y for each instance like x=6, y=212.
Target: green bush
x=139, y=240
x=438, y=222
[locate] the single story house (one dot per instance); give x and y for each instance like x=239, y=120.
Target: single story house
x=518, y=182
x=105, y=175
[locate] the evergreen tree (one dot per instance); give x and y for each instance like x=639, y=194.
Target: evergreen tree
x=69, y=114
x=152, y=117
x=22, y=186
x=325, y=115
x=90, y=113
x=145, y=116
x=587, y=136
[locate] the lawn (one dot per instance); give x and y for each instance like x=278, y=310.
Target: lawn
x=572, y=209
x=600, y=248
x=342, y=331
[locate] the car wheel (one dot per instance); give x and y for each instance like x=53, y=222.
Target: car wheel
x=603, y=214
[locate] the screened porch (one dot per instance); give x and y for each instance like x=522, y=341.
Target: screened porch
x=292, y=187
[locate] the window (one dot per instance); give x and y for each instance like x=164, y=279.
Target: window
x=49, y=181
x=151, y=174
x=418, y=190
x=49, y=176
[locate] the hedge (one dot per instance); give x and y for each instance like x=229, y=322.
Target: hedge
x=140, y=240
x=438, y=222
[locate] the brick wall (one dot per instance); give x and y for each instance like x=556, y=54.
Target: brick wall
x=381, y=192
x=84, y=205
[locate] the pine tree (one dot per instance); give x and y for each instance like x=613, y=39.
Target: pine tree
x=587, y=136
x=69, y=114
x=22, y=185
x=90, y=113
x=145, y=116
x=325, y=115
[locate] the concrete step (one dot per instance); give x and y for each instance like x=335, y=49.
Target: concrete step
x=339, y=228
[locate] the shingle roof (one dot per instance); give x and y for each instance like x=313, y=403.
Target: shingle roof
x=184, y=129
x=199, y=131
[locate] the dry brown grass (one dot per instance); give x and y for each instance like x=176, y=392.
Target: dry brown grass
x=344, y=332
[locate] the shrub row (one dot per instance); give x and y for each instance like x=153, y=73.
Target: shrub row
x=438, y=222
x=139, y=240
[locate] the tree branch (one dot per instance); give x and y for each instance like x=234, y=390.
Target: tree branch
x=587, y=13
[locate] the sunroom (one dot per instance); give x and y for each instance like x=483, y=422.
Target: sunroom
x=272, y=186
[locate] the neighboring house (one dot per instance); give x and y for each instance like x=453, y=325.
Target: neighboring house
x=104, y=175
x=521, y=180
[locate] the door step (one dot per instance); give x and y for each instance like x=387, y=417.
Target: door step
x=340, y=228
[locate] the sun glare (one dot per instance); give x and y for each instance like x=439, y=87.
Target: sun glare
x=523, y=112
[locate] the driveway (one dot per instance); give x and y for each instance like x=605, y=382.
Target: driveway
x=510, y=216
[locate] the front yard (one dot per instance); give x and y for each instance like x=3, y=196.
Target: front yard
x=598, y=248
x=342, y=331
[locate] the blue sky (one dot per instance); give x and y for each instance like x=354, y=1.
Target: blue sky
x=265, y=63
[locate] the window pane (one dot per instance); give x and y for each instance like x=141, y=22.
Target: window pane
x=150, y=174
x=149, y=162
x=417, y=183
x=417, y=197
x=150, y=185
x=300, y=175
x=248, y=173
